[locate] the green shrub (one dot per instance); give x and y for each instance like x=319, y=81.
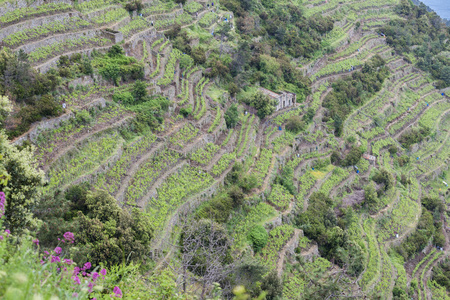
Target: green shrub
x=231, y=116
x=259, y=237
x=124, y=98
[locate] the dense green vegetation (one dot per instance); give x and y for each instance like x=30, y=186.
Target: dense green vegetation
x=423, y=35
x=148, y=151
x=350, y=92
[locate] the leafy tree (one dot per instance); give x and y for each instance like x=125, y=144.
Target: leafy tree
x=111, y=234
x=231, y=116
x=23, y=190
x=393, y=150
x=249, y=273
x=186, y=61
x=271, y=284
x=433, y=203
x=335, y=158
x=116, y=51
x=413, y=136
x=285, y=178
x=353, y=157
x=295, y=124
x=5, y=108
x=199, y=55
x=112, y=72
x=139, y=91
x=370, y=197
x=384, y=177
x=263, y=103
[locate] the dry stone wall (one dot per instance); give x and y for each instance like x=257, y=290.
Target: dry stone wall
x=12, y=5
x=4, y=32
x=58, y=39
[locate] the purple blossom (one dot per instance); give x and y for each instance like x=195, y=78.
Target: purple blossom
x=55, y=259
x=103, y=272
x=117, y=292
x=58, y=250
x=69, y=236
x=68, y=261
x=76, y=279
x=87, y=266
x=76, y=270
x=46, y=252
x=36, y=242
x=2, y=204
x=95, y=275
x=7, y=232
x=90, y=286
x=1, y=237
x=75, y=295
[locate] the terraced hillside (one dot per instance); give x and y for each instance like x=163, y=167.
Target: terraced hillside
x=150, y=125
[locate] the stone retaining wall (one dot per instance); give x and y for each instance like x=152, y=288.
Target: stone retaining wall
x=53, y=123
x=12, y=5
x=59, y=38
x=4, y=32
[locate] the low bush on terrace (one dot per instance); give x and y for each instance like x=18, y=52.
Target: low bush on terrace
x=259, y=237
x=115, y=66
x=415, y=135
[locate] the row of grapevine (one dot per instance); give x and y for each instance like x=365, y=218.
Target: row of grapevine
x=148, y=172
x=111, y=180
x=82, y=160
x=23, y=36
x=174, y=191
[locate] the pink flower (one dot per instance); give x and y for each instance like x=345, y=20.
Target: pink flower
x=103, y=272
x=46, y=252
x=42, y=262
x=76, y=279
x=1, y=237
x=68, y=261
x=117, y=292
x=58, y=250
x=69, y=236
x=74, y=295
x=7, y=232
x=90, y=286
x=76, y=270
x=36, y=242
x=87, y=266
x=95, y=276
x=55, y=259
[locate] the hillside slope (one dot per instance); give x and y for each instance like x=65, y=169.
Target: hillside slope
x=144, y=101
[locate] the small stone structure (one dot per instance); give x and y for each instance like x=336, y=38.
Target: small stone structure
x=284, y=99
x=114, y=36
x=370, y=158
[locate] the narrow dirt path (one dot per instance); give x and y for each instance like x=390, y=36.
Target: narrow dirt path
x=282, y=254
